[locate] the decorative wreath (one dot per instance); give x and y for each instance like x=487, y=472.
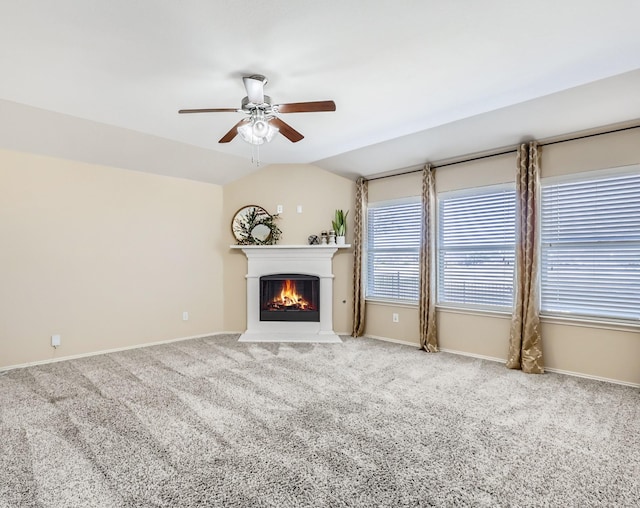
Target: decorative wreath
x=253, y=225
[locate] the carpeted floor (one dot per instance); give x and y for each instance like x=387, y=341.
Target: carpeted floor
x=214, y=422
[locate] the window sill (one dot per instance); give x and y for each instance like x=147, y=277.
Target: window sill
x=502, y=314
x=586, y=322
x=392, y=303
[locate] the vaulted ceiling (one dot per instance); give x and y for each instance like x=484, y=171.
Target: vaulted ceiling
x=413, y=80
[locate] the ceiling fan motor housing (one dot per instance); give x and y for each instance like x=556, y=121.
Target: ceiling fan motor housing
x=249, y=106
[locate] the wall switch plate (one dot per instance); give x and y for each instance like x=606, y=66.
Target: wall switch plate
x=185, y=316
x=55, y=340
x=299, y=209
x=395, y=317
x=279, y=209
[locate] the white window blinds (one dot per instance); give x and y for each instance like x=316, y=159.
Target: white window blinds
x=393, y=250
x=590, y=239
x=476, y=247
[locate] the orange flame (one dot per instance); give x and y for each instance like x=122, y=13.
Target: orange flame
x=289, y=296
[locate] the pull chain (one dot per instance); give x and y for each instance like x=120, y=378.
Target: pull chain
x=255, y=155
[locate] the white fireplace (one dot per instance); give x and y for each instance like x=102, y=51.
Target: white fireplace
x=268, y=260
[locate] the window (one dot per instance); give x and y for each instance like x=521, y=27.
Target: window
x=393, y=250
x=590, y=244
x=476, y=247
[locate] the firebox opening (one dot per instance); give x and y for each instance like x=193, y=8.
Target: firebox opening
x=289, y=297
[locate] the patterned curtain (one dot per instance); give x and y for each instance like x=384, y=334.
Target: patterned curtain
x=358, y=239
x=428, y=337
x=525, y=345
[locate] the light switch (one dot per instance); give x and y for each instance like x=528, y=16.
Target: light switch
x=299, y=209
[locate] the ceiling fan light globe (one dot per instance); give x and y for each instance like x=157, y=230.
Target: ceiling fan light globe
x=257, y=132
x=260, y=128
x=245, y=129
x=246, y=133
x=253, y=140
x=271, y=133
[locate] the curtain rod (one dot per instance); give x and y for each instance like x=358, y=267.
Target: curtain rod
x=504, y=152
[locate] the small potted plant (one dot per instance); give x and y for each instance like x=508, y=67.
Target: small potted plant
x=340, y=226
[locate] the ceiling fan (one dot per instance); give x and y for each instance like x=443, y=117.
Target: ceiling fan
x=261, y=123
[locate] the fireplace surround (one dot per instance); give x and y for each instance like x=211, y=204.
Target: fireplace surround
x=300, y=260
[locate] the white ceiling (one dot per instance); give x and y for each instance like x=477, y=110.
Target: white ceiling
x=413, y=80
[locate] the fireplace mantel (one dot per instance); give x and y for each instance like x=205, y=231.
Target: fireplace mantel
x=307, y=248
x=303, y=259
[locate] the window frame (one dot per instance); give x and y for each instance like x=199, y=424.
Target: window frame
x=472, y=307
x=365, y=262
x=611, y=322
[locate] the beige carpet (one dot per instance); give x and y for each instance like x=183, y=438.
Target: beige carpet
x=215, y=422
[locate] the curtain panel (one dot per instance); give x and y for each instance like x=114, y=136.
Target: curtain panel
x=525, y=343
x=427, y=299
x=358, y=262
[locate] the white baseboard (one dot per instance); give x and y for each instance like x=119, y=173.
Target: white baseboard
x=502, y=360
x=589, y=376
x=473, y=355
x=395, y=341
x=549, y=369
x=105, y=351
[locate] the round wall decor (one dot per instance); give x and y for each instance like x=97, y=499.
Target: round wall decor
x=253, y=225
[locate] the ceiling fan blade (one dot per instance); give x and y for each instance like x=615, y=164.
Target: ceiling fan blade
x=233, y=132
x=255, y=88
x=286, y=130
x=209, y=110
x=306, y=107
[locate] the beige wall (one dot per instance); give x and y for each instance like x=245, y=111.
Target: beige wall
x=591, y=154
x=104, y=257
x=320, y=193
x=593, y=351
x=111, y=258
x=602, y=352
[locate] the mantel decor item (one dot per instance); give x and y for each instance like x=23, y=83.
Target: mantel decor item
x=340, y=226
x=253, y=225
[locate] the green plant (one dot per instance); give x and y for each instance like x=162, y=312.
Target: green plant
x=340, y=222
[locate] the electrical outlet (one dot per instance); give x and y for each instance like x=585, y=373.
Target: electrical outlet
x=55, y=341
x=396, y=317
x=279, y=209
x=185, y=316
